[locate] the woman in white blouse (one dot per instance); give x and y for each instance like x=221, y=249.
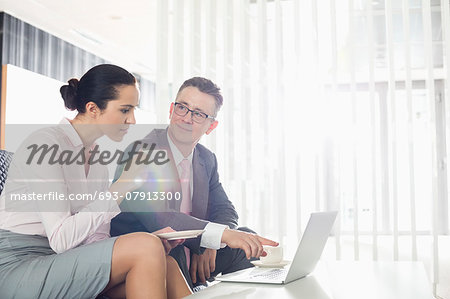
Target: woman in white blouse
x=52, y=246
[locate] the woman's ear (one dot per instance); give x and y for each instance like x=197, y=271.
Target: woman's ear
x=92, y=110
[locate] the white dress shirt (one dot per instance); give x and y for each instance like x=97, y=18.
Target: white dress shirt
x=65, y=223
x=212, y=236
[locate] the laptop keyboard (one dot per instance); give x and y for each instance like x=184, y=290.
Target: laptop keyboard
x=272, y=274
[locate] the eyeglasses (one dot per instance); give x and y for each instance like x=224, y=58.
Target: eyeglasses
x=197, y=116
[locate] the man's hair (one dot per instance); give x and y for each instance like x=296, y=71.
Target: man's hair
x=206, y=86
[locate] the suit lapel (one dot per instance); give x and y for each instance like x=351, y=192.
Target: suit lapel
x=200, y=194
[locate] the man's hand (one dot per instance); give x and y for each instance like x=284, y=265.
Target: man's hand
x=203, y=265
x=168, y=245
x=252, y=244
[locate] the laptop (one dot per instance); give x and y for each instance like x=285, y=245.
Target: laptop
x=306, y=257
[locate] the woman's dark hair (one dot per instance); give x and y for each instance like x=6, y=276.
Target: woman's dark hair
x=98, y=85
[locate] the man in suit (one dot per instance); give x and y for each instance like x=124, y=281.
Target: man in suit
x=191, y=172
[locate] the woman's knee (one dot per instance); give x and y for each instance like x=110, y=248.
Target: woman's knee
x=141, y=246
x=137, y=250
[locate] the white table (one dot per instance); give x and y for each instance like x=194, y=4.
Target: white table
x=337, y=280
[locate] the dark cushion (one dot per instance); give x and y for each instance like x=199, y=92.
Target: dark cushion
x=5, y=160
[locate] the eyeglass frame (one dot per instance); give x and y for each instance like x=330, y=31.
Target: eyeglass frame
x=192, y=112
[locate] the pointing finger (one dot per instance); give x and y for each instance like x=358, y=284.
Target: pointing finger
x=265, y=241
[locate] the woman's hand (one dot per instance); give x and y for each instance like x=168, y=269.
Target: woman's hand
x=168, y=245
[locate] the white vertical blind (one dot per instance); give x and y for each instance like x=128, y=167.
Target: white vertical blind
x=334, y=79
x=162, y=83
x=351, y=67
x=195, y=36
x=262, y=115
x=426, y=19
x=373, y=105
x=409, y=99
x=328, y=105
x=177, y=47
x=245, y=93
x=445, y=17
x=393, y=131
x=210, y=8
x=296, y=78
x=227, y=87
x=282, y=204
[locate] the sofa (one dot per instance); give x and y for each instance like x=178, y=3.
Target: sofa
x=5, y=160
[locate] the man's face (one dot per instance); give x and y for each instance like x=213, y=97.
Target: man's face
x=182, y=129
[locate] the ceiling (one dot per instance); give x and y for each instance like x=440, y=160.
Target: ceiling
x=119, y=31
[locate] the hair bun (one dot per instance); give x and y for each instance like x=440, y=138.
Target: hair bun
x=69, y=94
x=74, y=84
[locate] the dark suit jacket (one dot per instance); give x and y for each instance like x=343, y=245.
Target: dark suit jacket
x=209, y=201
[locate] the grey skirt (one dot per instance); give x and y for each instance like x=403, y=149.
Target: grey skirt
x=29, y=268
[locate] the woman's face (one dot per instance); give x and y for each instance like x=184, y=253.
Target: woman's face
x=119, y=113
